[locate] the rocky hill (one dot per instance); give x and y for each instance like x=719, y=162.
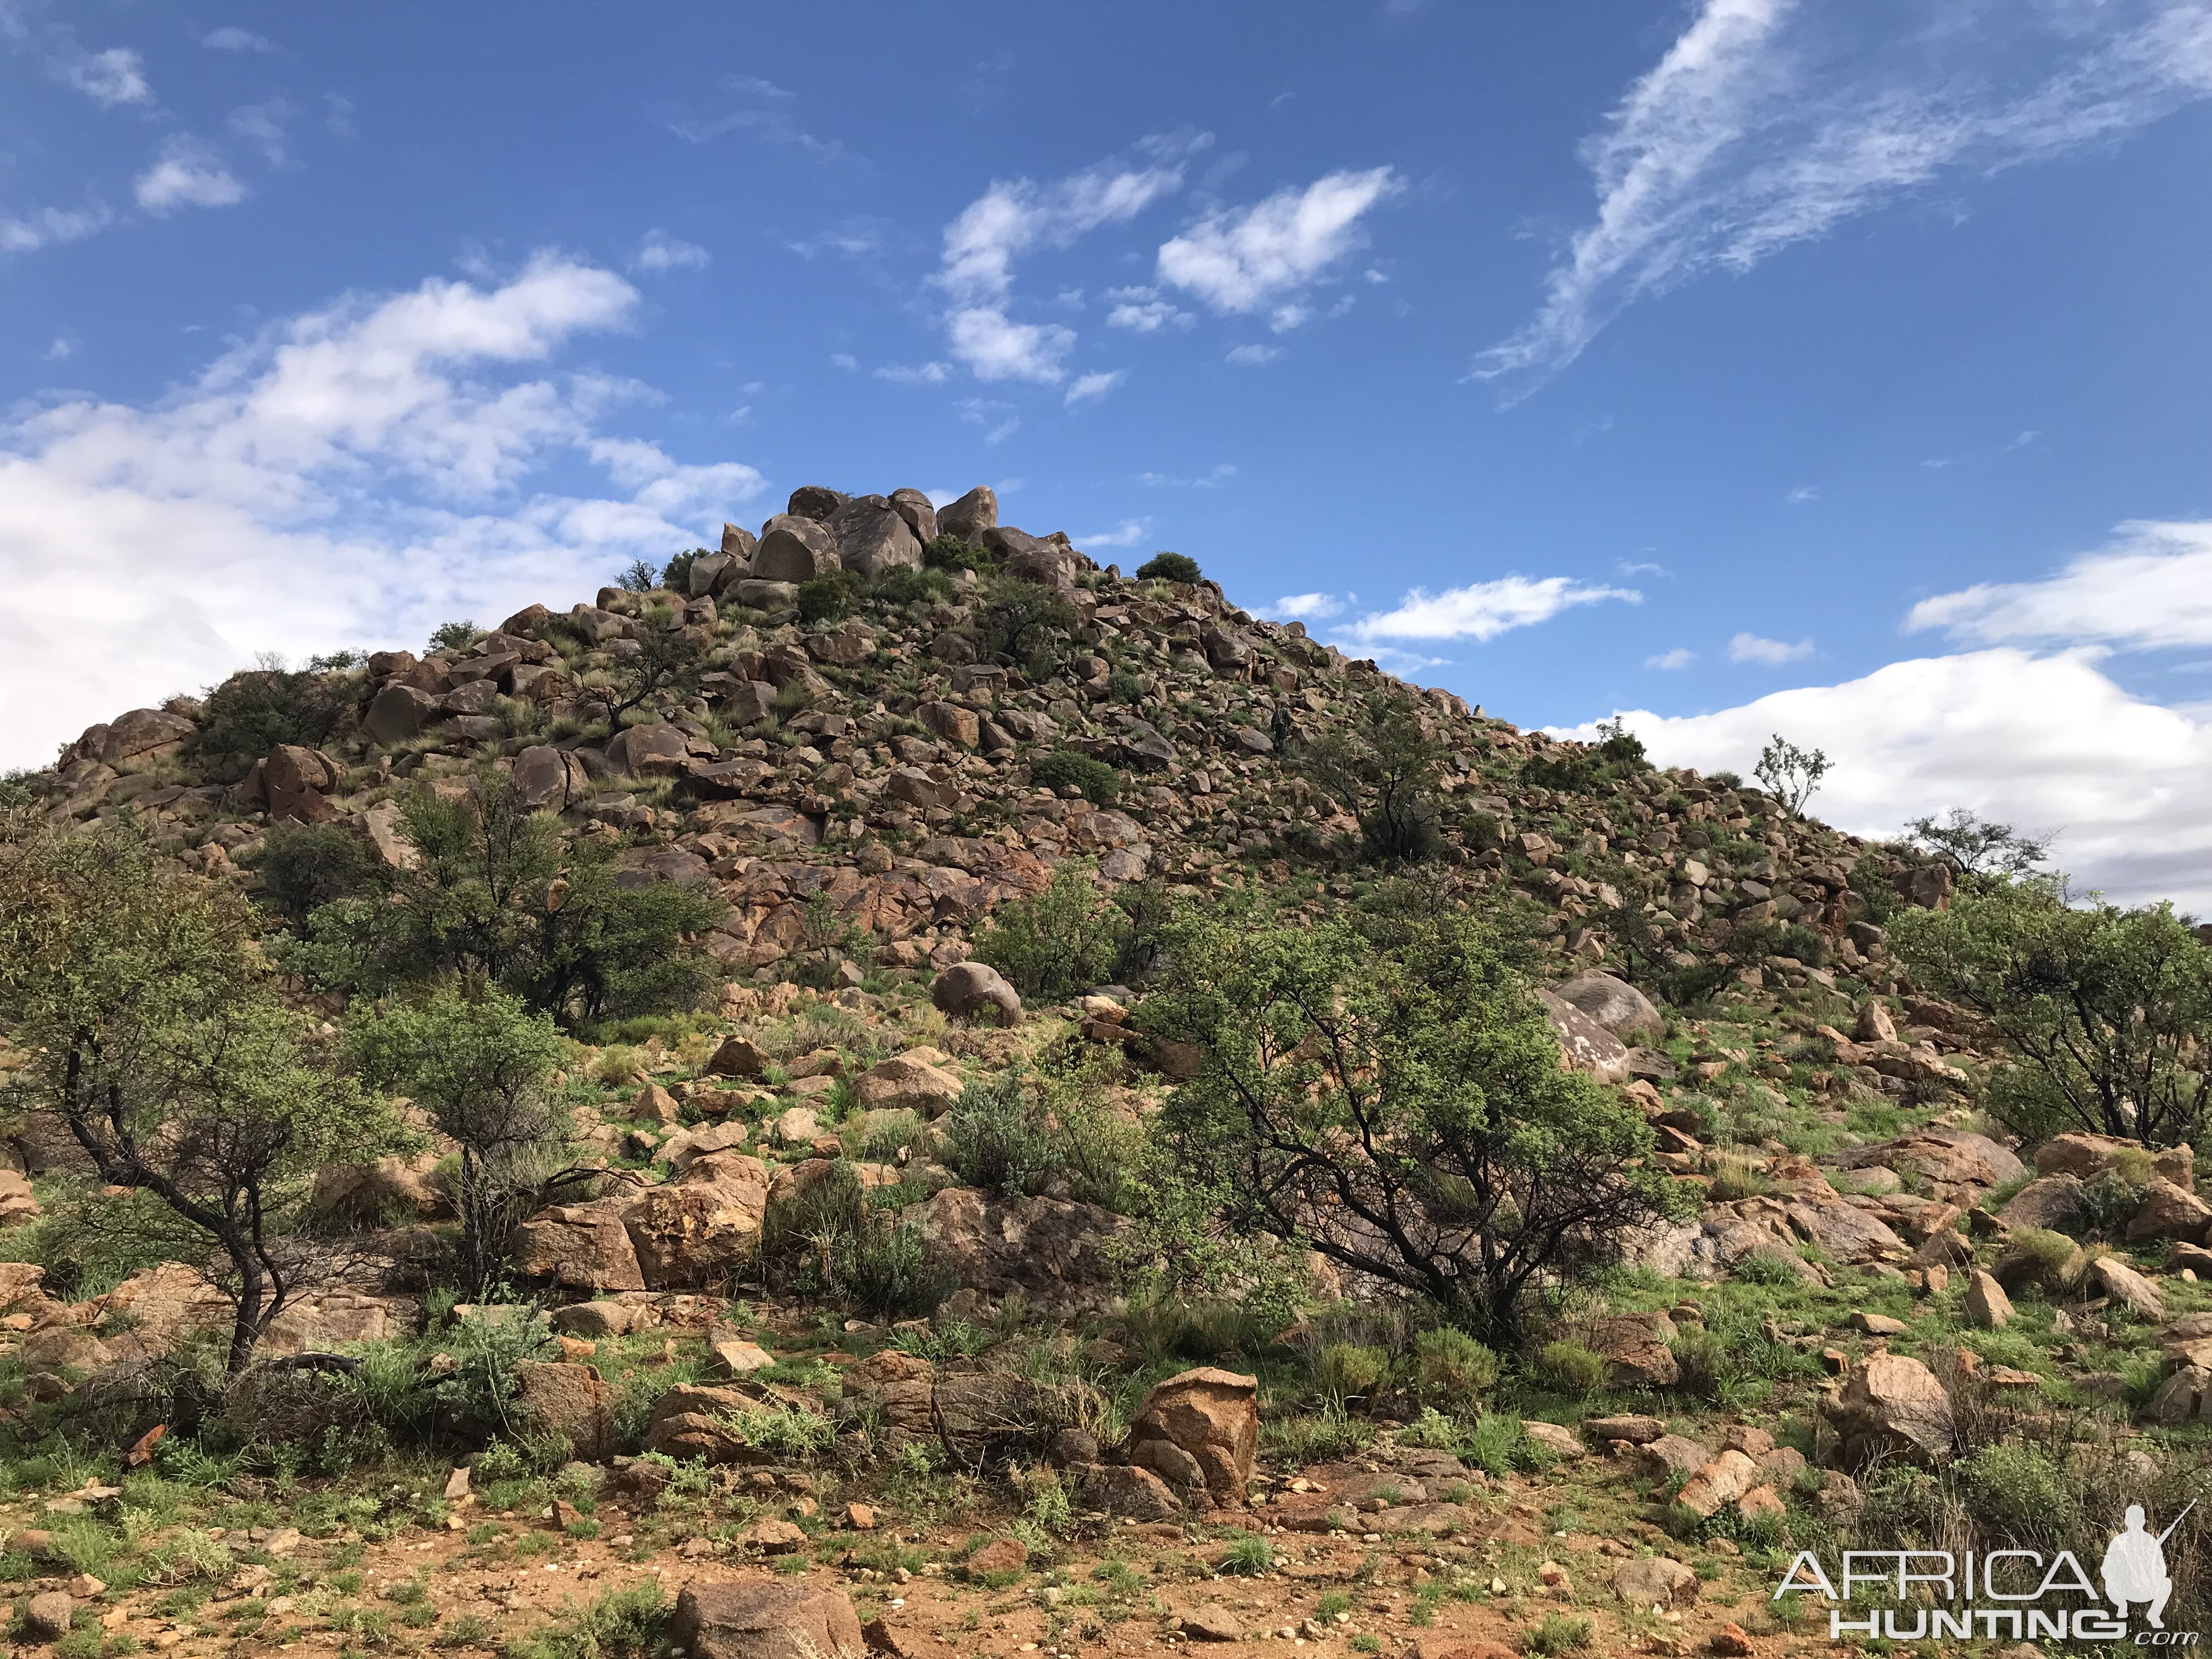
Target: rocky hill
x=862, y=734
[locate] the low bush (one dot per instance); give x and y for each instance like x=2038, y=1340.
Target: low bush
x=1100, y=783
x=831, y=597
x=304, y=866
x=1571, y=1367
x=1346, y=1371
x=904, y=585
x=1058, y=942
x=1452, y=1369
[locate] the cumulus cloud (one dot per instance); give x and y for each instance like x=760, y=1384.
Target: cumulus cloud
x=1244, y=260
x=661, y=252
x=189, y=174
x=1017, y=217
x=2043, y=741
x=1749, y=648
x=1767, y=123
x=48, y=226
x=1127, y=533
x=1311, y=607
x=1143, y=310
x=1680, y=656
x=1087, y=387
x=2149, y=589
x=117, y=76
x=1483, y=610
x=995, y=347
x=352, y=476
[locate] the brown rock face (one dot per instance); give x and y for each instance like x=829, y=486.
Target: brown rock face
x=904, y=1084
x=1892, y=1406
x=766, y=1619
x=572, y=1402
x=578, y=1248
x=1124, y=1490
x=794, y=550
x=2169, y=1211
x=1619, y=1007
x=972, y=990
x=972, y=515
x=1586, y=1045
x=873, y=537
x=695, y=1235
x=294, y=780
x=1211, y=1417
x=1057, y=1253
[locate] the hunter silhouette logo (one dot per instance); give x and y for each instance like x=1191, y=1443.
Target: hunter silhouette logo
x=2011, y=1594
x=2135, y=1567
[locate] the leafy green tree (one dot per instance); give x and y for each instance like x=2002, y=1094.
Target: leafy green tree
x=667, y=664
x=480, y=1065
x=254, y=711
x=452, y=638
x=1973, y=847
x=832, y=596
x=303, y=866
x=1169, y=568
x=1790, y=773
x=156, y=1035
x=2109, y=1010
x=675, y=574
x=1058, y=942
x=1383, y=1088
x=1382, y=766
x=1023, y=624
x=494, y=896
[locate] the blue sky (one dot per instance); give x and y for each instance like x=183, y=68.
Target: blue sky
x=1739, y=366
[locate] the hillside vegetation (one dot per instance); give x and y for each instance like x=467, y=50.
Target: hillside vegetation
x=884, y=1073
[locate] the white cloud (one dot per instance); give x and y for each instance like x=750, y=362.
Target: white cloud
x=1251, y=356
x=844, y=360
x=117, y=76
x=1095, y=386
x=236, y=39
x=1143, y=310
x=1284, y=319
x=1749, y=648
x=1679, y=657
x=189, y=174
x=996, y=348
x=263, y=126
x=1483, y=610
x=1316, y=607
x=2040, y=742
x=1127, y=533
x=1212, y=478
x=661, y=252
x=852, y=238
x=1244, y=260
x=352, y=476
x=1803, y=492
x=1767, y=123
x=1005, y=429
x=2149, y=589
x=931, y=374
x=763, y=112
x=50, y=227
x=1016, y=216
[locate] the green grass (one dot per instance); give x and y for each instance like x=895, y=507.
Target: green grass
x=1248, y=1556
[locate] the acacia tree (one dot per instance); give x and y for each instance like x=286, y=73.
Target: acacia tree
x=1382, y=767
x=157, y=1037
x=1384, y=1090
x=2109, y=1010
x=1791, y=774
x=479, y=1064
x=495, y=895
x=1973, y=847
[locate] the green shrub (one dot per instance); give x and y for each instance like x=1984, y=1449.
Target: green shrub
x=1571, y=1367
x=1058, y=942
x=830, y=1240
x=1248, y=1556
x=1348, y=1371
x=675, y=574
x=1451, y=1369
x=1169, y=568
x=1559, y=1633
x=253, y=711
x=904, y=585
x=1499, y=1446
x=2053, y=1254
x=1735, y=1178
x=303, y=866
x=951, y=553
x=2109, y=1202
x=831, y=597
x=997, y=1139
x=627, y=1623
x=451, y=639
x=1100, y=783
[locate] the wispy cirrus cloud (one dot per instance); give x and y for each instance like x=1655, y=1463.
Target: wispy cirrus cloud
x=762, y=111
x=1089, y=386
x=1767, y=123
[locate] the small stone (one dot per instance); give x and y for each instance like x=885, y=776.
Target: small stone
x=1560, y=1442
x=1000, y=1555
x=46, y=1616
x=1875, y=1324
x=1731, y=1641
x=775, y=1537
x=1212, y=1623
x=859, y=1517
